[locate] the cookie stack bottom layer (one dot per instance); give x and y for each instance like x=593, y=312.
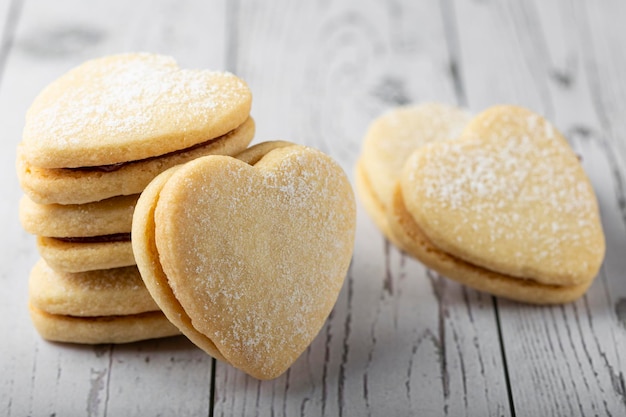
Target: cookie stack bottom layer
x=103, y=306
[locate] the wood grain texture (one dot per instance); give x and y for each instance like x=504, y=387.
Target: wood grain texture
x=40, y=378
x=601, y=40
x=9, y=15
x=561, y=360
x=400, y=339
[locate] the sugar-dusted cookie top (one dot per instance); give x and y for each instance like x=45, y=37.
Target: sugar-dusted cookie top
x=130, y=107
x=510, y=196
x=248, y=259
x=392, y=138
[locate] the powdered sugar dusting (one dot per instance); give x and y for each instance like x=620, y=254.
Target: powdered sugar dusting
x=514, y=189
x=271, y=258
x=129, y=97
x=394, y=136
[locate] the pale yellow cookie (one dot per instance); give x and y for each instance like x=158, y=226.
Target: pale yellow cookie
x=253, y=257
x=130, y=107
x=72, y=256
x=152, y=273
x=390, y=140
x=414, y=242
x=79, y=186
x=509, y=197
x=105, y=329
x=106, y=217
x=106, y=292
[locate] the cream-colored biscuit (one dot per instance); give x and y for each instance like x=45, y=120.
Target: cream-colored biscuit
x=249, y=258
x=157, y=282
x=130, y=107
x=152, y=273
x=105, y=329
x=390, y=140
x=414, y=242
x=106, y=292
x=509, y=197
x=106, y=217
x=78, y=186
x=64, y=256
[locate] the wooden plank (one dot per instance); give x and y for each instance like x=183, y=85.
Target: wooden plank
x=9, y=15
x=599, y=36
x=39, y=378
x=17, y=353
x=400, y=341
x=168, y=377
x=601, y=45
x=561, y=360
x=5, y=6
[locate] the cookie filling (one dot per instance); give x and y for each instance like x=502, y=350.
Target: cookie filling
x=116, y=237
x=120, y=165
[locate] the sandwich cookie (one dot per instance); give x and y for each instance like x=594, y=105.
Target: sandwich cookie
x=389, y=142
x=82, y=237
x=109, y=126
x=106, y=306
x=102, y=329
x=506, y=209
x=248, y=260
x=102, y=218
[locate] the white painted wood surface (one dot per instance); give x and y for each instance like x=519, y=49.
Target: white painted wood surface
x=401, y=340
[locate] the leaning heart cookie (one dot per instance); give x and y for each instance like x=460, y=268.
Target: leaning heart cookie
x=248, y=260
x=506, y=209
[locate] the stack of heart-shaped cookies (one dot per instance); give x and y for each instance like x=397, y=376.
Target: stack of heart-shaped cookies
x=502, y=205
x=243, y=250
x=92, y=141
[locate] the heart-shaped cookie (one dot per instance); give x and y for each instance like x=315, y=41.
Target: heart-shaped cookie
x=389, y=141
x=104, y=306
x=129, y=107
x=248, y=260
x=509, y=200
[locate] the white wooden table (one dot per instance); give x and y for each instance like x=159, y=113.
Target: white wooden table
x=401, y=340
